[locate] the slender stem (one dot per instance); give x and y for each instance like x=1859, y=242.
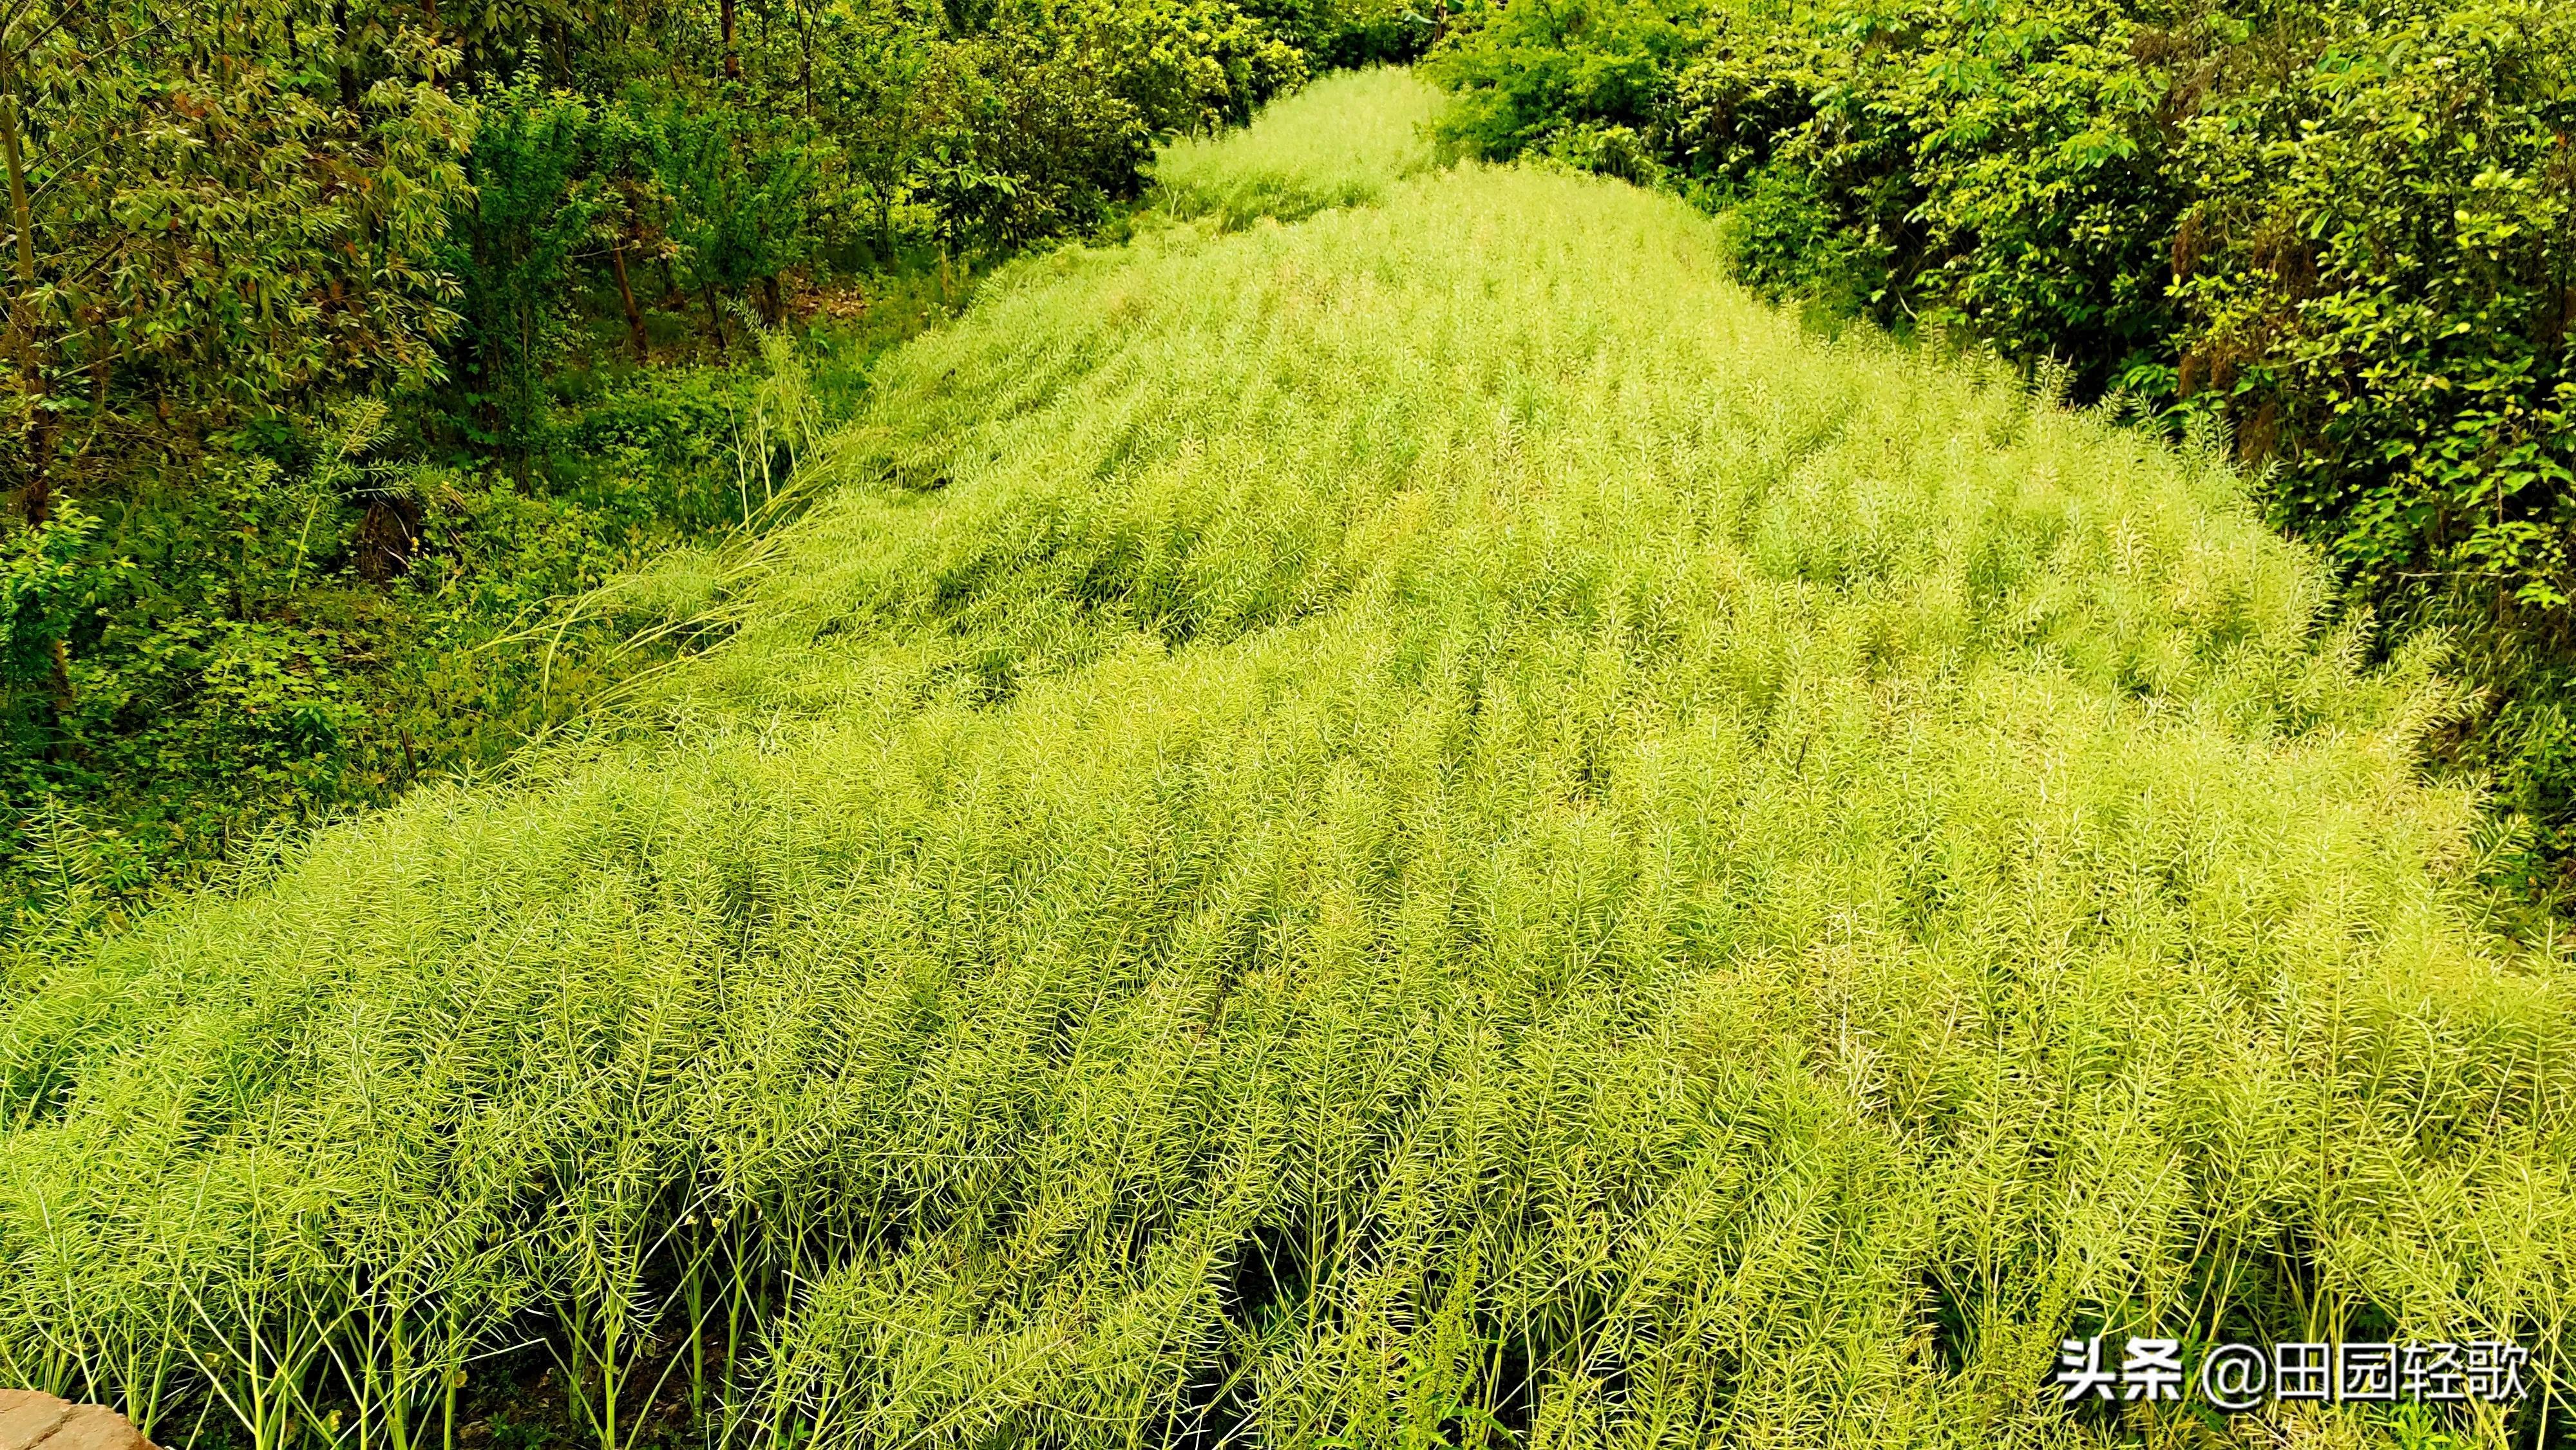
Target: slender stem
x=610, y=1323
x=452, y=1373
x=397, y=1420
x=23, y=217
x=22, y=322
x=626, y=296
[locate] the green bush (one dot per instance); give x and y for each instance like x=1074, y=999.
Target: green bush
x=1534, y=68
x=1031, y=140
x=742, y=188
x=515, y=250
x=2376, y=273
x=210, y=661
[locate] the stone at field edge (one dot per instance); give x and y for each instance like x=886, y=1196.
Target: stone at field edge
x=29, y=1420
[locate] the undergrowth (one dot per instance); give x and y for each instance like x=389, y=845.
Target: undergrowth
x=296, y=627
x=1426, y=827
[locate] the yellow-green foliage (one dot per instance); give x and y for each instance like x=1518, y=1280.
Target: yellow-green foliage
x=1342, y=141
x=1416, y=826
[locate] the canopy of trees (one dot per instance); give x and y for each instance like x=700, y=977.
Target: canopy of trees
x=226, y=211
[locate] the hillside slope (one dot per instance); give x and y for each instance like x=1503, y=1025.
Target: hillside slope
x=1424, y=823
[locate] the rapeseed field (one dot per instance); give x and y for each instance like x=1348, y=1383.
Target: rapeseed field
x=1416, y=825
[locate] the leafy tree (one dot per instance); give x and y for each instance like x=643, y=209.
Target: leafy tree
x=537, y=206
x=876, y=100
x=1537, y=67
x=2378, y=271
x=211, y=222
x=1026, y=141
x=742, y=190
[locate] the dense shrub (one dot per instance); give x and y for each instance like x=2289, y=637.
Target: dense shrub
x=1542, y=71
x=741, y=188
x=1027, y=144
x=2375, y=271
x=211, y=660
x=514, y=249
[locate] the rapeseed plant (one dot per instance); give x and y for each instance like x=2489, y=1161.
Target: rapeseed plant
x=1343, y=141
x=1425, y=827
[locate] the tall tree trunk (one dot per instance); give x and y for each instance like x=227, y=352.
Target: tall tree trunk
x=626, y=294
x=348, y=71
x=21, y=214
x=732, y=58
x=715, y=317
x=37, y=498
